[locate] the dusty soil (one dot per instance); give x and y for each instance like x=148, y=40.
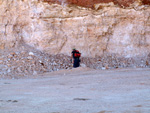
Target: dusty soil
x=80, y=90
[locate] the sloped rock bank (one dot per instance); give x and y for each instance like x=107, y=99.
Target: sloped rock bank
x=26, y=61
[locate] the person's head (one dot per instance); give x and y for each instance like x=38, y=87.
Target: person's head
x=73, y=49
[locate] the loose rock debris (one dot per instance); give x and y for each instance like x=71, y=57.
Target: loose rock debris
x=24, y=62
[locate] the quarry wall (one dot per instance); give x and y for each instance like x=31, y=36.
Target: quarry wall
x=57, y=28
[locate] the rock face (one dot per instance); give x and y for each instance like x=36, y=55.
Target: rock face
x=38, y=36
x=56, y=29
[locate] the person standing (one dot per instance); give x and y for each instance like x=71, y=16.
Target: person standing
x=75, y=56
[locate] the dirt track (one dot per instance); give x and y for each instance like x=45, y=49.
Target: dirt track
x=80, y=90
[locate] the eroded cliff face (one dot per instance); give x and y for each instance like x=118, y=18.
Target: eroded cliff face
x=55, y=28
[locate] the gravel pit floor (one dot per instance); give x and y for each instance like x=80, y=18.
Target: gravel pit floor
x=80, y=90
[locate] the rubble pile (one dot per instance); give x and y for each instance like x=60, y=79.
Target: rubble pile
x=112, y=61
x=24, y=62
x=31, y=62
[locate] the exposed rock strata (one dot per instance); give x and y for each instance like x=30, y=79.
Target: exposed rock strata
x=57, y=29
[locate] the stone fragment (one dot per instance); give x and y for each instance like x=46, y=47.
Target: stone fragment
x=103, y=68
x=31, y=53
x=29, y=58
x=9, y=70
x=83, y=65
x=12, y=53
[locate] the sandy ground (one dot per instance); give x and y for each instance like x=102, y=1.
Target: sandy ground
x=80, y=90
